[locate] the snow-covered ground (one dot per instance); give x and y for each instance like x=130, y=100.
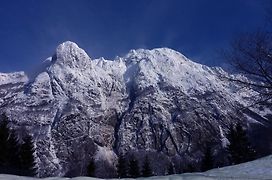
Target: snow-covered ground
x=258, y=169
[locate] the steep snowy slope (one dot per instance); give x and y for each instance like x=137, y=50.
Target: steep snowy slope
x=149, y=101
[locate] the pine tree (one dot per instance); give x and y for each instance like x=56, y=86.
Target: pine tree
x=28, y=164
x=239, y=147
x=189, y=168
x=4, y=150
x=147, y=171
x=207, y=162
x=91, y=168
x=15, y=158
x=134, y=171
x=14, y=164
x=170, y=169
x=122, y=167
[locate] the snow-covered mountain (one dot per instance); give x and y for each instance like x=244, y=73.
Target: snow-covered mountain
x=149, y=101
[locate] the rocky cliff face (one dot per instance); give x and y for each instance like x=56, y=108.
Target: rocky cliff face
x=149, y=100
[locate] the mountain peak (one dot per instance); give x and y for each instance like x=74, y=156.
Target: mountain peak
x=155, y=54
x=68, y=53
x=67, y=45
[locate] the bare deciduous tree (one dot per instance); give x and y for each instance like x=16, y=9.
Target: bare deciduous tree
x=251, y=54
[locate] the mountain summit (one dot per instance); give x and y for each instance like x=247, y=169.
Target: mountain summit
x=155, y=102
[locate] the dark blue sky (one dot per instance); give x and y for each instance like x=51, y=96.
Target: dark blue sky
x=30, y=30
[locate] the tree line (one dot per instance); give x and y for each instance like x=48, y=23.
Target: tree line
x=126, y=168
x=16, y=157
x=238, y=150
